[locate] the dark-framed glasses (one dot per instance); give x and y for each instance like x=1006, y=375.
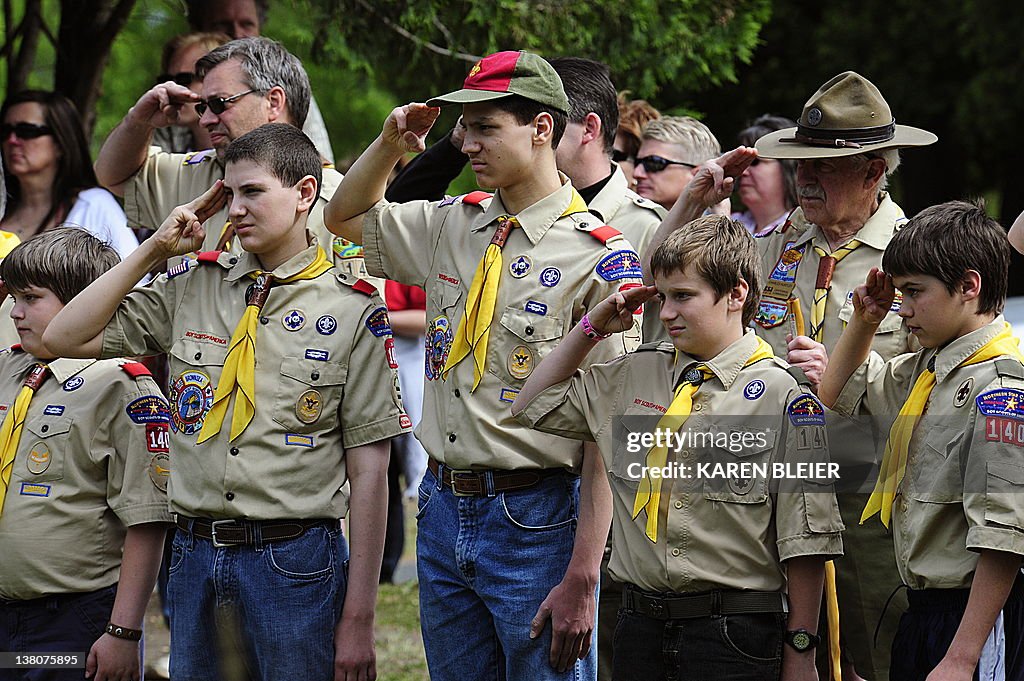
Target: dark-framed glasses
x=619, y=156
x=24, y=131
x=219, y=105
x=655, y=164
x=184, y=78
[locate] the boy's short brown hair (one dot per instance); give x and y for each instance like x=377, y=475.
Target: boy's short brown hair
x=282, y=150
x=64, y=260
x=947, y=240
x=721, y=251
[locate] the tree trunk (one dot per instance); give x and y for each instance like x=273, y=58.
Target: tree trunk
x=20, y=64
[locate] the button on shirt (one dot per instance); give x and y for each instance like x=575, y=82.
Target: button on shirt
x=965, y=469
x=549, y=281
x=323, y=385
x=718, y=532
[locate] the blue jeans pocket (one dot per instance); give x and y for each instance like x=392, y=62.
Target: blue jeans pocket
x=427, y=489
x=93, y=610
x=306, y=558
x=540, y=509
x=177, y=552
x=754, y=637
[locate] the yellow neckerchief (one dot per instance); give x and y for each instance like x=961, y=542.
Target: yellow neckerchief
x=14, y=423
x=648, y=495
x=474, y=330
x=239, y=374
x=894, y=462
x=823, y=285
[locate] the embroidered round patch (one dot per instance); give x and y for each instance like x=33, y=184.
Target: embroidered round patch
x=754, y=389
x=520, y=266
x=308, y=406
x=963, y=393
x=326, y=325
x=293, y=320
x=191, y=396
x=39, y=458
x=550, y=276
x=73, y=383
x=520, y=362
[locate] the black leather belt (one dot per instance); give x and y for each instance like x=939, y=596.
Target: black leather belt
x=234, y=532
x=465, y=483
x=707, y=604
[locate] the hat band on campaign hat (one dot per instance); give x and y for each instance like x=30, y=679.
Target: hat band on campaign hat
x=852, y=138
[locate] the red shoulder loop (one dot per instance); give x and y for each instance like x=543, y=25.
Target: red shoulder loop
x=364, y=287
x=474, y=198
x=209, y=256
x=17, y=348
x=605, y=233
x=135, y=369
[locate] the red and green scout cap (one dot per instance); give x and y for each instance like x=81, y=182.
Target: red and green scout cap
x=504, y=74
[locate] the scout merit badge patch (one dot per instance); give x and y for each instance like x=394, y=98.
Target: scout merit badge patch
x=806, y=410
x=148, y=409
x=1003, y=409
x=38, y=459
x=308, y=406
x=520, y=362
x=620, y=265
x=771, y=311
x=378, y=323
x=439, y=340
x=191, y=396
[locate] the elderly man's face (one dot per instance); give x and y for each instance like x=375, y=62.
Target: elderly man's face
x=835, y=191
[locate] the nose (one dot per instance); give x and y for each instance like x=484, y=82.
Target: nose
x=639, y=172
x=236, y=208
x=469, y=143
x=209, y=119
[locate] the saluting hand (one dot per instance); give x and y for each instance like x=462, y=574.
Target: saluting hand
x=406, y=127
x=715, y=180
x=183, y=231
x=873, y=299
x=161, y=105
x=615, y=313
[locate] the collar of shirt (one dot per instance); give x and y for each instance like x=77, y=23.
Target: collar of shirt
x=64, y=368
x=249, y=263
x=610, y=195
x=950, y=357
x=536, y=219
x=876, y=232
x=726, y=365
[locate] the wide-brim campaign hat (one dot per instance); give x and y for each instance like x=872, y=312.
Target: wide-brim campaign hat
x=504, y=74
x=846, y=116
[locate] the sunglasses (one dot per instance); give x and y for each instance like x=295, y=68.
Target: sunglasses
x=655, y=164
x=219, y=105
x=24, y=131
x=618, y=155
x=184, y=78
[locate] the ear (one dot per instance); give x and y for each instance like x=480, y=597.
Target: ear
x=592, y=127
x=970, y=285
x=543, y=129
x=307, y=193
x=738, y=296
x=277, y=106
x=875, y=172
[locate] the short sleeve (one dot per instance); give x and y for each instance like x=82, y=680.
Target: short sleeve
x=878, y=387
x=142, y=323
x=400, y=240
x=580, y=407
x=163, y=182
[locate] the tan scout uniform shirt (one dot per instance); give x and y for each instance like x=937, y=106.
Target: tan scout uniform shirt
x=714, y=532
x=323, y=385
x=965, y=473
x=550, y=279
x=167, y=181
x=92, y=460
x=786, y=279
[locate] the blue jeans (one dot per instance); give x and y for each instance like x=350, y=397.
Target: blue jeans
x=271, y=608
x=726, y=648
x=65, y=623
x=485, y=565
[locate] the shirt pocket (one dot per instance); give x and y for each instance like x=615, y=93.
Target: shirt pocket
x=629, y=455
x=309, y=394
x=738, y=474
x=48, y=438
x=512, y=357
x=934, y=474
x=195, y=368
x=1003, y=505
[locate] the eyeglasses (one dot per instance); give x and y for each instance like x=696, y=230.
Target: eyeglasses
x=184, y=78
x=618, y=155
x=655, y=164
x=24, y=131
x=219, y=105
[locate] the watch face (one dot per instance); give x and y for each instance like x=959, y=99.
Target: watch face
x=801, y=640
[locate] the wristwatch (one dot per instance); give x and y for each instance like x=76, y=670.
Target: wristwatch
x=802, y=640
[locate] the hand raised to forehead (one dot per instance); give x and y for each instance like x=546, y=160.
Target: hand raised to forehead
x=183, y=231
x=873, y=299
x=161, y=105
x=407, y=126
x=715, y=180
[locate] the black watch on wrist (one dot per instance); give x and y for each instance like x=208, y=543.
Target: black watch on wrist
x=802, y=640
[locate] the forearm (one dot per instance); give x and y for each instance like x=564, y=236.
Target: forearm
x=594, y=518
x=367, y=467
x=140, y=562
x=408, y=323
x=363, y=186
x=850, y=352
x=428, y=175
x=685, y=210
x=993, y=578
x=806, y=578
x=1016, y=234
x=122, y=154
x=76, y=331
x=558, y=365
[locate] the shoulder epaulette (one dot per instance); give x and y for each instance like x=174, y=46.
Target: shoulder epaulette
x=194, y=158
x=605, y=233
x=17, y=348
x=663, y=346
x=1009, y=368
x=644, y=202
x=799, y=375
x=135, y=369
x=208, y=256
x=364, y=287
x=475, y=198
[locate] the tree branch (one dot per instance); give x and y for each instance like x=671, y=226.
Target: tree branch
x=437, y=49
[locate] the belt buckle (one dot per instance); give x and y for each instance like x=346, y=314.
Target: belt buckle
x=454, y=485
x=213, y=533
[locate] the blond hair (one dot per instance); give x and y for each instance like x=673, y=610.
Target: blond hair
x=697, y=141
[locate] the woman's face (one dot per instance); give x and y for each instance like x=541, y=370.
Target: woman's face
x=33, y=155
x=184, y=61
x=762, y=183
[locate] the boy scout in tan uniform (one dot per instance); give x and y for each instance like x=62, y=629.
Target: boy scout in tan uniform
x=950, y=478
x=525, y=265
x=321, y=396
x=84, y=477
x=670, y=550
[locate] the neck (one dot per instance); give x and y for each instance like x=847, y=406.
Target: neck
x=767, y=213
x=727, y=339
x=293, y=243
x=975, y=322
x=841, y=232
x=37, y=189
x=592, y=171
x=537, y=185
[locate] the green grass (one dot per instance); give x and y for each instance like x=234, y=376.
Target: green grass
x=399, y=645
